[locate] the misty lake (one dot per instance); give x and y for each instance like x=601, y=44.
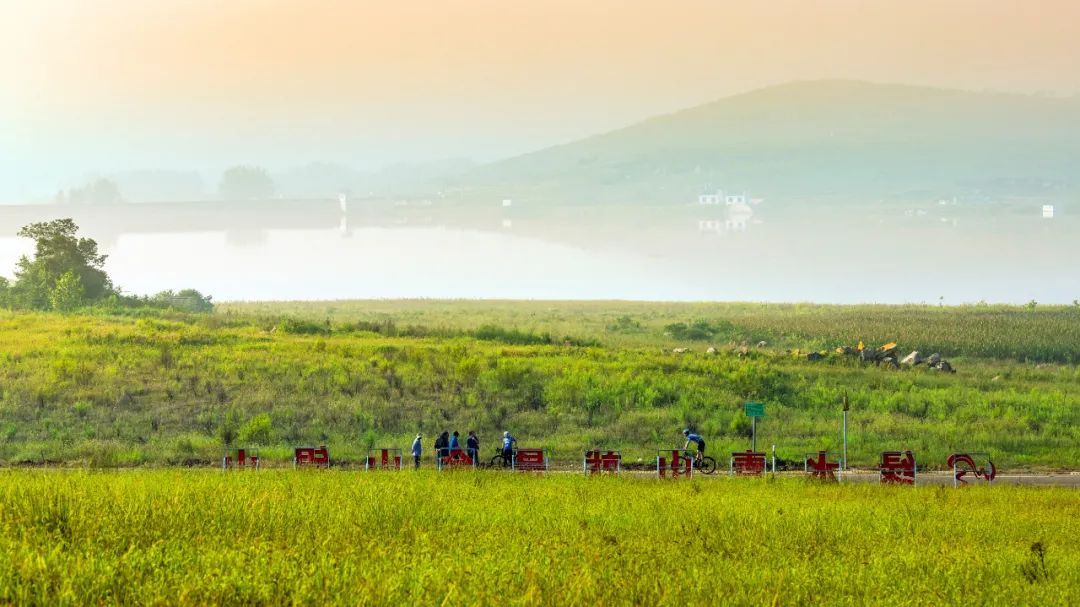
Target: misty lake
x=319, y=250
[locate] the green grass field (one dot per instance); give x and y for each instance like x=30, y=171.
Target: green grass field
x=141, y=389
x=158, y=388
x=153, y=388
x=310, y=537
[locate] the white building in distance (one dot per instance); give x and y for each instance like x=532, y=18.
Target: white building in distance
x=726, y=199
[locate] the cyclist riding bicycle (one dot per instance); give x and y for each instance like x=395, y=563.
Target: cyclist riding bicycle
x=695, y=438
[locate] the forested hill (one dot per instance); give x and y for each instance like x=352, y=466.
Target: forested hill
x=821, y=138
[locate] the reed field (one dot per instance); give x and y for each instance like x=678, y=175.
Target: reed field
x=1035, y=333
x=392, y=538
x=150, y=387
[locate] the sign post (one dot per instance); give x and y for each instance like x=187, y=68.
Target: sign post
x=754, y=411
x=843, y=461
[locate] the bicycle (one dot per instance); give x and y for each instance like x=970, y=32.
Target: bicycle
x=501, y=460
x=706, y=464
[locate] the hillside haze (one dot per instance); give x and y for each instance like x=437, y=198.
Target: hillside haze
x=820, y=138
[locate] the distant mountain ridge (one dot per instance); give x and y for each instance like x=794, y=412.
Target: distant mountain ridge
x=819, y=138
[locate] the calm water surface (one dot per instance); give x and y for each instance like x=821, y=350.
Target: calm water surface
x=320, y=251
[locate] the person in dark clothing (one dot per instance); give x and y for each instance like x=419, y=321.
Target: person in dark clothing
x=472, y=445
x=442, y=445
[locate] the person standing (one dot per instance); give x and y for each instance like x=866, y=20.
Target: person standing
x=472, y=445
x=442, y=445
x=454, y=442
x=508, y=449
x=417, y=449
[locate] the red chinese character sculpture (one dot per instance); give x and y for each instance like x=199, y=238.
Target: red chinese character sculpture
x=383, y=459
x=530, y=460
x=821, y=468
x=243, y=460
x=599, y=462
x=962, y=463
x=314, y=457
x=676, y=464
x=897, y=467
x=748, y=463
x=456, y=458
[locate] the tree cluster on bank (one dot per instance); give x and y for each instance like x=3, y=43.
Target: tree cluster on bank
x=67, y=273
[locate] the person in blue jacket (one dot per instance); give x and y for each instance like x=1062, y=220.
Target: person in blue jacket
x=695, y=438
x=454, y=442
x=417, y=449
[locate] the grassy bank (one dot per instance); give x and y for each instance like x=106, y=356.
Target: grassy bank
x=1022, y=333
x=282, y=537
x=156, y=388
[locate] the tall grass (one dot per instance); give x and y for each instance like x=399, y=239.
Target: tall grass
x=273, y=538
x=1023, y=333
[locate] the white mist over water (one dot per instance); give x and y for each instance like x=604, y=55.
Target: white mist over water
x=289, y=253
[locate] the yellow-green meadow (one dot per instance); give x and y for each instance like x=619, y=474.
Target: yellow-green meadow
x=277, y=537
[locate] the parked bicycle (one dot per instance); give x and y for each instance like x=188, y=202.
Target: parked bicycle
x=501, y=460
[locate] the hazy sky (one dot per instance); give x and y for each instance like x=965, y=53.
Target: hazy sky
x=104, y=85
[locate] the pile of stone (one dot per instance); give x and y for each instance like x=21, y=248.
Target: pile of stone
x=934, y=361
x=887, y=355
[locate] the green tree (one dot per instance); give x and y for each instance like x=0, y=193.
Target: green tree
x=58, y=251
x=67, y=294
x=188, y=300
x=258, y=430
x=246, y=183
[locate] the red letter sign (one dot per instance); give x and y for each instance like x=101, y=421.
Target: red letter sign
x=383, y=459
x=530, y=460
x=599, y=462
x=962, y=463
x=243, y=460
x=748, y=463
x=676, y=463
x=898, y=467
x=314, y=457
x=821, y=468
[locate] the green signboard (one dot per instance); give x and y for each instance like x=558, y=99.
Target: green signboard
x=754, y=409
